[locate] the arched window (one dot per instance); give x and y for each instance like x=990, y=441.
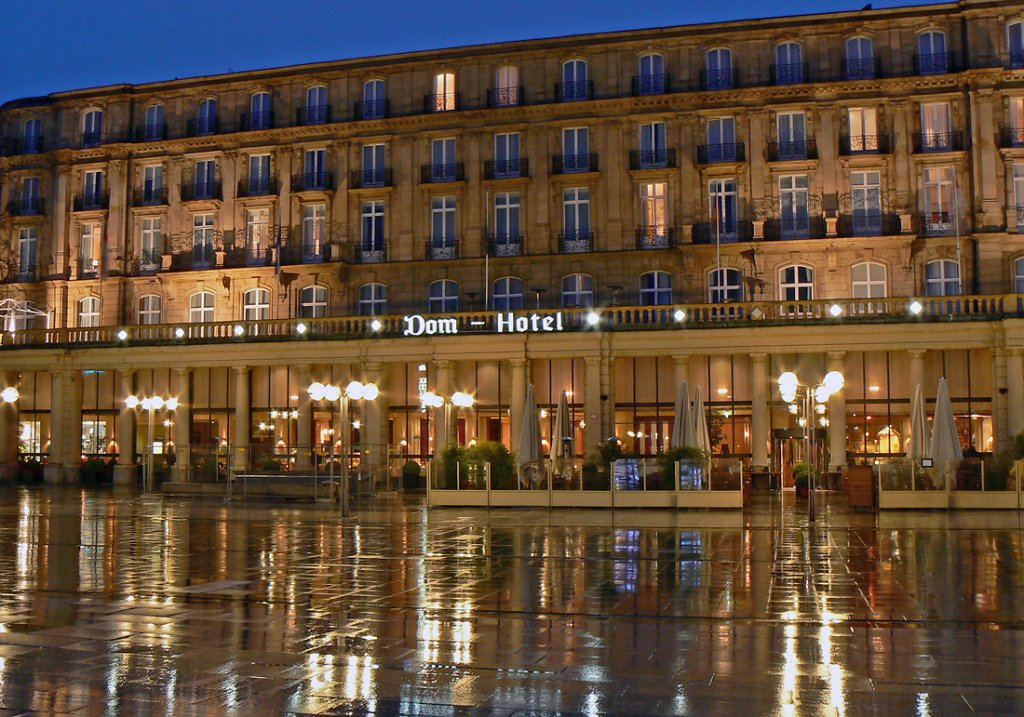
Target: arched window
x=88, y=312
x=1018, y=275
x=860, y=58
x=796, y=283
x=375, y=103
x=444, y=296
x=577, y=290
x=200, y=307
x=652, y=79
x=317, y=110
x=655, y=288
x=718, y=72
x=92, y=128
x=313, y=302
x=789, y=64
x=149, y=309
x=259, y=111
x=725, y=285
x=1015, y=37
x=507, y=92
x=575, y=85
x=932, y=58
x=445, y=98
x=373, y=300
x=508, y=294
x=156, y=124
x=206, y=117
x=868, y=280
x=942, y=278
x=256, y=305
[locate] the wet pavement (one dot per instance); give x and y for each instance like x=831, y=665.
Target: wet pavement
x=113, y=603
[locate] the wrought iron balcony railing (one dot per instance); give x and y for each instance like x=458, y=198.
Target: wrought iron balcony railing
x=252, y=255
x=374, y=253
x=202, y=127
x=193, y=191
x=203, y=255
x=650, y=84
x=152, y=132
x=655, y=237
x=32, y=144
x=575, y=242
x=251, y=121
x=719, y=79
x=940, y=222
x=257, y=186
x=313, y=114
x=574, y=91
x=858, y=223
x=792, y=149
x=149, y=197
x=934, y=64
x=792, y=73
x=1017, y=60
x=862, y=68
x=795, y=226
x=370, y=109
x=504, y=96
x=1011, y=136
x=313, y=181
x=91, y=200
x=304, y=253
x=150, y=261
x=509, y=245
x=725, y=152
x=26, y=207
x=506, y=168
x=938, y=141
x=444, y=102
x=863, y=144
x=652, y=158
x=433, y=173
x=368, y=178
x=731, y=230
x=447, y=248
x=573, y=163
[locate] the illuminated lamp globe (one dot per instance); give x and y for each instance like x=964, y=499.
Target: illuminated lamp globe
x=332, y=392
x=788, y=382
x=821, y=394
x=370, y=392
x=316, y=391
x=10, y=394
x=157, y=402
x=462, y=399
x=833, y=381
x=172, y=403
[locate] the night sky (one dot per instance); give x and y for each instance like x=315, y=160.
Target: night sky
x=51, y=45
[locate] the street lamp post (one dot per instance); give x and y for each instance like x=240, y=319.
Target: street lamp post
x=459, y=399
x=150, y=404
x=790, y=389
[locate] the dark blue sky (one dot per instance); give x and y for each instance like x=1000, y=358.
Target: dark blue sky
x=53, y=45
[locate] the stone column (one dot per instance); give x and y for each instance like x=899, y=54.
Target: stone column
x=243, y=419
x=65, y=462
x=125, y=472
x=183, y=424
x=375, y=451
x=1014, y=393
x=837, y=417
x=592, y=405
x=442, y=427
x=916, y=370
x=607, y=396
x=518, y=398
x=8, y=430
x=681, y=368
x=304, y=423
x=759, y=412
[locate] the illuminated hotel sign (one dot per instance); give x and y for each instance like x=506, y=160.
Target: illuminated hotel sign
x=506, y=323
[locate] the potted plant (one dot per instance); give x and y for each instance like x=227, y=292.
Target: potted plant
x=802, y=474
x=682, y=454
x=411, y=475
x=503, y=465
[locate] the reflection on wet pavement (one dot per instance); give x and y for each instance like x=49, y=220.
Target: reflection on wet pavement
x=116, y=604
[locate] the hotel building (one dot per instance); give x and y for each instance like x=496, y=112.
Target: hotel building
x=605, y=214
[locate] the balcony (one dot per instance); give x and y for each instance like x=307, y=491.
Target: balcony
x=251, y=121
x=506, y=168
x=510, y=245
x=863, y=144
x=435, y=173
x=25, y=272
x=252, y=255
x=91, y=140
x=505, y=97
x=153, y=132
x=150, y=261
x=731, y=231
x=26, y=207
x=24, y=145
x=795, y=227
x=447, y=248
x=444, y=102
x=196, y=191
x=937, y=63
x=652, y=159
x=91, y=200
x=370, y=109
x=573, y=163
x=203, y=255
x=575, y=242
x=925, y=142
x=574, y=91
x=370, y=255
x=1011, y=136
x=202, y=127
x=313, y=182
x=1020, y=218
x=792, y=73
x=304, y=253
x=258, y=186
x=793, y=149
x=719, y=79
x=650, y=85
x=725, y=152
x=88, y=267
x=1016, y=60
x=864, y=68
x=936, y=223
x=313, y=114
x=867, y=224
x=370, y=178
x=655, y=237
x=149, y=197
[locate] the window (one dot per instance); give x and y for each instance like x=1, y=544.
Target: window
x=372, y=240
x=28, y=247
x=1016, y=128
x=152, y=244
x=506, y=155
x=655, y=288
x=793, y=204
x=313, y=302
x=153, y=184
x=314, y=220
x=31, y=136
x=89, y=312
x=718, y=74
x=942, y=278
x=1015, y=33
x=653, y=214
x=149, y=310
x=868, y=280
x=506, y=86
x=577, y=290
x=931, y=53
x=935, y=127
x=317, y=109
x=92, y=185
x=202, y=241
x=789, y=64
x=860, y=58
x=259, y=111
x=653, y=146
x=92, y=128
x=722, y=210
x=866, y=197
x=442, y=160
x=257, y=233
x=205, y=179
x=155, y=127
x=206, y=118
x=374, y=165
x=939, y=203
x=725, y=285
x=575, y=149
x=200, y=307
x=863, y=129
x=574, y=81
x=29, y=200
x=442, y=228
x=444, y=296
x=1018, y=193
x=508, y=294
x=91, y=247
x=507, y=235
x=373, y=300
x=792, y=128
x=314, y=176
x=652, y=79
x=256, y=305
x=796, y=283
x=445, y=97
x=1018, y=275
x=259, y=174
x=576, y=219
x=374, y=102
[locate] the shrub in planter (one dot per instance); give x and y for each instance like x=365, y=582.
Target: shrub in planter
x=453, y=460
x=270, y=465
x=998, y=469
x=667, y=463
x=411, y=475
x=503, y=465
x=94, y=470
x=802, y=473
x=30, y=471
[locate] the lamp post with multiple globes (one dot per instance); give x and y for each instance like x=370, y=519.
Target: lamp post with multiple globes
x=354, y=391
x=150, y=404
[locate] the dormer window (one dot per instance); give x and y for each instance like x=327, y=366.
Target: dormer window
x=652, y=79
x=860, y=59
x=92, y=128
x=932, y=58
x=506, y=92
x=156, y=125
x=259, y=111
x=206, y=117
x=575, y=85
x=375, y=103
x=317, y=110
x=444, y=97
x=789, y=64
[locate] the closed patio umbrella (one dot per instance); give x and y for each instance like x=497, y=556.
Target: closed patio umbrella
x=682, y=417
x=530, y=455
x=945, y=443
x=562, y=441
x=919, y=439
x=701, y=439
